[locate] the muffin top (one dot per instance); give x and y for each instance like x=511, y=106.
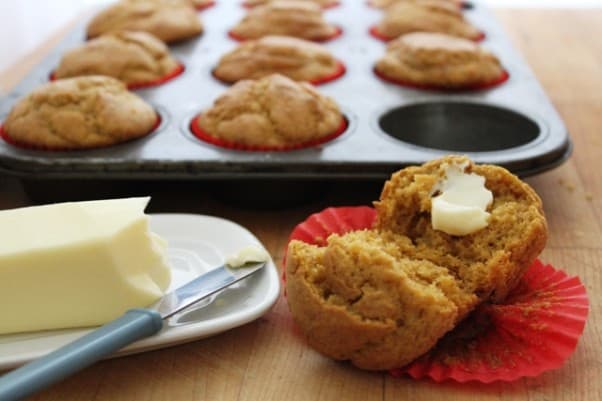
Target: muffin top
x=425, y=16
x=272, y=111
x=170, y=21
x=381, y=297
x=489, y=261
x=132, y=57
x=302, y=19
x=298, y=59
x=437, y=59
x=79, y=113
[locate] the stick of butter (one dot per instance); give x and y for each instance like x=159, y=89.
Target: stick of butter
x=78, y=264
x=461, y=208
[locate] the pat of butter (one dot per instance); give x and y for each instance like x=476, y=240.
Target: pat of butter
x=251, y=253
x=461, y=208
x=78, y=264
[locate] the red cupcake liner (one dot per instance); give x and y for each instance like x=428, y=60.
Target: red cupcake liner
x=202, y=7
x=376, y=34
x=535, y=330
x=486, y=85
x=22, y=145
x=339, y=72
x=324, y=7
x=140, y=85
x=206, y=137
x=339, y=32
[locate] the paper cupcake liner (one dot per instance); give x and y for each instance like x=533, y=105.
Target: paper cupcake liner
x=22, y=145
x=339, y=72
x=486, y=85
x=205, y=6
x=376, y=34
x=206, y=137
x=339, y=32
x=536, y=329
x=140, y=85
x=324, y=7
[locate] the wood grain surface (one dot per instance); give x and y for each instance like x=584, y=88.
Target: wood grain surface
x=268, y=360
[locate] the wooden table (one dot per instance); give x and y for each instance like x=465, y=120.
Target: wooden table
x=267, y=359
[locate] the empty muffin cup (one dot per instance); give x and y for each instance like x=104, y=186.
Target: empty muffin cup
x=199, y=133
x=459, y=126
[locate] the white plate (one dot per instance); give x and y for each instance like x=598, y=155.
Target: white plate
x=196, y=244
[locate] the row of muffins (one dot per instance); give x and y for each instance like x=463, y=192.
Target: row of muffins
x=320, y=117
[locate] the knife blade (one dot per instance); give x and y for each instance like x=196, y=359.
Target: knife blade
x=134, y=325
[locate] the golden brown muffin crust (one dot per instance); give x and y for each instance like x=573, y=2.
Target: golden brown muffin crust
x=388, y=3
x=132, y=57
x=271, y=111
x=79, y=113
x=170, y=21
x=382, y=297
x=322, y=3
x=296, y=18
x=406, y=17
x=438, y=59
x=298, y=59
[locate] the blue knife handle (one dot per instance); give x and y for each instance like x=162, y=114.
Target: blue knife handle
x=39, y=374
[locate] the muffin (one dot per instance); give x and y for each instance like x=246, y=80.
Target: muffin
x=387, y=3
x=273, y=111
x=384, y=296
x=170, y=21
x=132, y=57
x=425, y=16
x=79, y=113
x=201, y=4
x=439, y=60
x=298, y=59
x=301, y=19
x=321, y=3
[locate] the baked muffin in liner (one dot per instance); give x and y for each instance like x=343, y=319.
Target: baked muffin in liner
x=534, y=330
x=137, y=58
x=201, y=5
x=170, y=21
x=383, y=4
x=297, y=18
x=427, y=16
x=322, y=3
x=425, y=60
x=79, y=113
x=273, y=113
x=298, y=59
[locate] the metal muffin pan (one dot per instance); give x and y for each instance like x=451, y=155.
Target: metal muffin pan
x=513, y=124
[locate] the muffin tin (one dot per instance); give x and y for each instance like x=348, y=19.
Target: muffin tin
x=513, y=124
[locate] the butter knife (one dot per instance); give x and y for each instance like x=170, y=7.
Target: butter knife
x=134, y=325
